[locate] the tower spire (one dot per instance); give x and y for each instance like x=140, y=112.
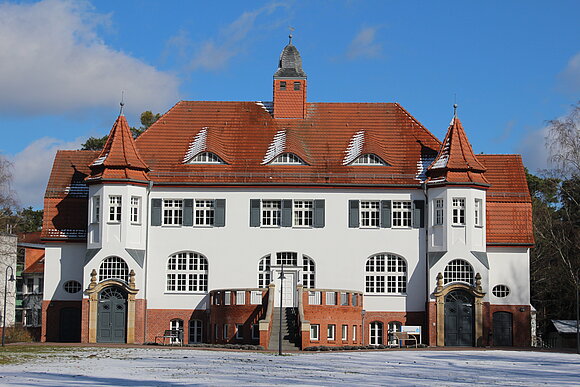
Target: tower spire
x=122, y=102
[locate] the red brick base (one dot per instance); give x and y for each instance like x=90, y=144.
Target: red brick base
x=51, y=318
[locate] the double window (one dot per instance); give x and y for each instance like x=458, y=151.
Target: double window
x=172, y=212
x=385, y=213
x=188, y=212
x=386, y=273
x=187, y=273
x=287, y=213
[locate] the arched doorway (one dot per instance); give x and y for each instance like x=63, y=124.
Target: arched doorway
x=502, y=329
x=459, y=319
x=112, y=315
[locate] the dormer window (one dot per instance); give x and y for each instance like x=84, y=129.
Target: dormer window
x=282, y=85
x=288, y=158
x=206, y=158
x=369, y=159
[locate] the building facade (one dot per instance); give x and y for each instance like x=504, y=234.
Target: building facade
x=372, y=222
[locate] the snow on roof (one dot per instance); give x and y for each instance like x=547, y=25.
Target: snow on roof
x=565, y=326
x=100, y=160
x=422, y=166
x=197, y=145
x=354, y=147
x=268, y=106
x=276, y=147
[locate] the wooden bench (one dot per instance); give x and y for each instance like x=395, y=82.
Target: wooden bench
x=173, y=335
x=403, y=337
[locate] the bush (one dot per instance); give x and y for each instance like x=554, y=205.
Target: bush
x=18, y=334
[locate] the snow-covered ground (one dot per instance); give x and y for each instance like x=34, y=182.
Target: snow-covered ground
x=182, y=367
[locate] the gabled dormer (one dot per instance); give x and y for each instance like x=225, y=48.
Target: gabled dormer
x=290, y=85
x=204, y=148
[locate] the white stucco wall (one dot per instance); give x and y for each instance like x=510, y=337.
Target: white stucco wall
x=63, y=262
x=510, y=266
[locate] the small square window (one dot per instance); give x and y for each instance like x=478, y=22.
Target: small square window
x=282, y=85
x=296, y=86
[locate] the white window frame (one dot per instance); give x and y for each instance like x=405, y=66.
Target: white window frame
x=176, y=324
x=376, y=333
x=368, y=159
x=204, y=212
x=386, y=274
x=439, y=212
x=370, y=213
x=458, y=211
x=206, y=158
x=459, y=270
x=478, y=212
x=114, y=267
x=135, y=215
x=96, y=211
x=270, y=213
x=308, y=272
x=314, y=332
x=264, y=273
x=331, y=332
x=303, y=213
x=172, y=212
x=115, y=208
x=401, y=214
x=330, y=298
x=354, y=333
x=240, y=297
x=344, y=332
x=501, y=291
x=288, y=158
x=187, y=272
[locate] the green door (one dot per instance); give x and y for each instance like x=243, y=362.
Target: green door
x=459, y=319
x=112, y=316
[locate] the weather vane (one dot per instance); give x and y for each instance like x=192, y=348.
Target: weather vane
x=290, y=35
x=122, y=103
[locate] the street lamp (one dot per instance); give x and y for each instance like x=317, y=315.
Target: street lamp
x=6, y=291
x=281, y=278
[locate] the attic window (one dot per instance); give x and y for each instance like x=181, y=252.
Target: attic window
x=282, y=85
x=206, y=158
x=288, y=158
x=296, y=85
x=369, y=159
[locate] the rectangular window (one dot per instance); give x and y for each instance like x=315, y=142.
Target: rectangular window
x=303, y=213
x=225, y=332
x=331, y=332
x=296, y=86
x=355, y=300
x=314, y=332
x=135, y=210
x=239, y=331
x=282, y=85
x=402, y=214
x=204, y=212
x=478, y=214
x=271, y=212
x=438, y=212
x=172, y=212
x=354, y=333
x=344, y=332
x=96, y=209
x=256, y=297
x=287, y=258
x=30, y=285
x=215, y=331
x=458, y=211
x=330, y=298
x=344, y=299
x=255, y=331
x=369, y=213
x=114, y=208
x=227, y=298
x=375, y=284
x=240, y=297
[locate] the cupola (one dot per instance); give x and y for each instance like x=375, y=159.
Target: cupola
x=290, y=84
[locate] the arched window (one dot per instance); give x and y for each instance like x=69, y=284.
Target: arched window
x=386, y=273
x=288, y=158
x=369, y=159
x=308, y=271
x=176, y=325
x=114, y=268
x=195, y=331
x=206, y=158
x=458, y=270
x=187, y=272
x=376, y=333
x=264, y=272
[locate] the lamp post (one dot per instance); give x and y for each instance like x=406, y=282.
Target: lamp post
x=281, y=278
x=6, y=291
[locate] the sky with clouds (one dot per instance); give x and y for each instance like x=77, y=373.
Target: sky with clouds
x=510, y=66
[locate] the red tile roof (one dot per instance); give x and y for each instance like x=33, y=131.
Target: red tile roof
x=36, y=267
x=119, y=158
x=456, y=162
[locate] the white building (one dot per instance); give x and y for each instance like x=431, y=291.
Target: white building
x=376, y=223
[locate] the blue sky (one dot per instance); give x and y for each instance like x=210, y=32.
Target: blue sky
x=510, y=65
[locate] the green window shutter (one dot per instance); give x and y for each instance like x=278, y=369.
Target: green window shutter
x=385, y=213
x=418, y=213
x=286, y=220
x=353, y=215
x=220, y=213
x=318, y=221
x=254, y=212
x=156, y=212
x=188, y=212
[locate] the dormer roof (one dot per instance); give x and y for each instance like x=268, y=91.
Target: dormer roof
x=456, y=163
x=119, y=158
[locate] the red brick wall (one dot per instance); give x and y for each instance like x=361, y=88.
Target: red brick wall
x=158, y=321
x=289, y=103
x=85, y=321
x=521, y=323
x=140, y=306
x=405, y=318
x=232, y=315
x=431, y=333
x=51, y=318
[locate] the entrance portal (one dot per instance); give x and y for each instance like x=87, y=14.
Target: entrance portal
x=112, y=316
x=459, y=319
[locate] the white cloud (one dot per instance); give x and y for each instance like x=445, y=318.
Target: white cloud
x=533, y=150
x=570, y=77
x=52, y=61
x=215, y=53
x=364, y=44
x=31, y=169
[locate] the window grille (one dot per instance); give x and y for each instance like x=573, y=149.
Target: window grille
x=376, y=333
x=114, y=268
x=308, y=272
x=172, y=212
x=72, y=286
x=330, y=298
x=228, y=298
x=271, y=212
x=314, y=297
x=344, y=299
x=369, y=213
x=288, y=158
x=240, y=297
x=369, y=159
x=287, y=258
x=458, y=270
x=195, y=331
x=386, y=273
x=176, y=325
x=303, y=213
x=500, y=291
x=438, y=212
x=204, y=212
x=206, y=158
x=135, y=209
x=187, y=272
x=458, y=205
x=264, y=272
x=114, y=208
x=478, y=205
x=402, y=214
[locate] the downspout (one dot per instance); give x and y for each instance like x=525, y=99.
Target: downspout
x=145, y=263
x=426, y=220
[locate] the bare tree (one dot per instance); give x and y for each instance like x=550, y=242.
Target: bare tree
x=7, y=241
x=563, y=142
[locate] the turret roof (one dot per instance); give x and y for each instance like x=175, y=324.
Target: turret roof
x=290, y=64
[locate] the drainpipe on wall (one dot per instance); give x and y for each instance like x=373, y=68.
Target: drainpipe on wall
x=145, y=261
x=426, y=220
